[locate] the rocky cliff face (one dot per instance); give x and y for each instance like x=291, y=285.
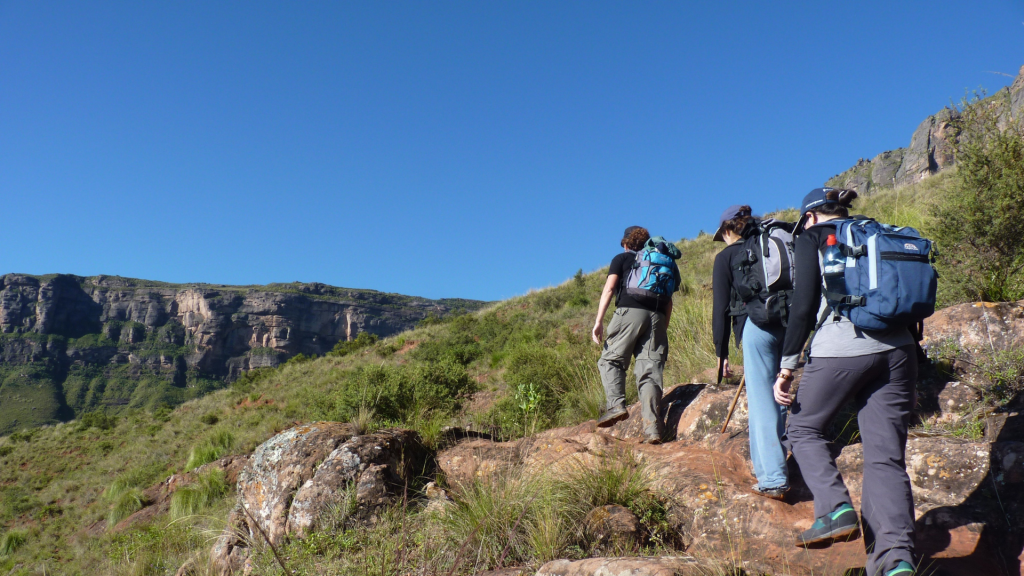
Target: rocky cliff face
x=69, y=343
x=930, y=149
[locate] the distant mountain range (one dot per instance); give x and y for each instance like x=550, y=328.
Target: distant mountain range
x=70, y=344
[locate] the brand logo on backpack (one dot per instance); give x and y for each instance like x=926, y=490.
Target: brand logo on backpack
x=910, y=246
x=653, y=276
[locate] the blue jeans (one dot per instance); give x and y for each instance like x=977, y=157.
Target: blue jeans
x=762, y=352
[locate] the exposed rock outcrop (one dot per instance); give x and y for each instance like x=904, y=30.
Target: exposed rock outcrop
x=930, y=150
x=317, y=473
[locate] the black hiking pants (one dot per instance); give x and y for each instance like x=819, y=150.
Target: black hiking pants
x=882, y=387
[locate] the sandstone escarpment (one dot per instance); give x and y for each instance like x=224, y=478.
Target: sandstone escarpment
x=72, y=331
x=930, y=150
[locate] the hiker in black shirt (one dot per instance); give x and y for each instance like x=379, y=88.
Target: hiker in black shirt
x=762, y=352
x=638, y=329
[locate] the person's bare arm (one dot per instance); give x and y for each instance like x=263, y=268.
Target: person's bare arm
x=606, y=299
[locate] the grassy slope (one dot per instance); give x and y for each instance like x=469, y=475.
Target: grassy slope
x=53, y=480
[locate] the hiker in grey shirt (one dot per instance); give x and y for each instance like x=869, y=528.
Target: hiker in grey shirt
x=638, y=329
x=875, y=369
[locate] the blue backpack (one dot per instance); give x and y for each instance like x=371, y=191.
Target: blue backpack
x=889, y=276
x=653, y=276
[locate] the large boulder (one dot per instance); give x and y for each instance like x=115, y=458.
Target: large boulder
x=305, y=475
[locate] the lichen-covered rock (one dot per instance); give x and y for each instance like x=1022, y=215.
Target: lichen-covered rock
x=943, y=471
x=295, y=479
x=612, y=525
x=978, y=327
x=631, y=566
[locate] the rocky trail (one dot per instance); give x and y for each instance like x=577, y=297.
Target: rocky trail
x=968, y=493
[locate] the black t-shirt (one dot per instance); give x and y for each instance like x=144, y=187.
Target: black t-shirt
x=621, y=265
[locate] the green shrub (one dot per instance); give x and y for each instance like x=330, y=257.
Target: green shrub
x=97, y=420
x=207, y=489
x=561, y=382
x=396, y=393
x=460, y=346
x=299, y=359
x=210, y=418
x=979, y=219
x=16, y=500
x=362, y=340
x=11, y=541
x=6, y=451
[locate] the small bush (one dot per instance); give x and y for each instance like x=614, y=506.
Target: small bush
x=362, y=340
x=11, y=541
x=210, y=418
x=459, y=346
x=299, y=359
x=97, y=420
x=396, y=393
x=979, y=219
x=6, y=451
x=207, y=489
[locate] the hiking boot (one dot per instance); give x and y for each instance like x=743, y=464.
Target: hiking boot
x=653, y=438
x=902, y=569
x=840, y=524
x=612, y=416
x=777, y=493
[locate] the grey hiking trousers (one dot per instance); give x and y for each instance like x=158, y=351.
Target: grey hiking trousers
x=643, y=334
x=882, y=387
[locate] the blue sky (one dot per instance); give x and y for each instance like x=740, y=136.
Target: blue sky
x=445, y=149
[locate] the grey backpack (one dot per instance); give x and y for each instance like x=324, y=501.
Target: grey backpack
x=765, y=278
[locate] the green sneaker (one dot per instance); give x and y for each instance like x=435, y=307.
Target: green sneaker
x=902, y=569
x=841, y=524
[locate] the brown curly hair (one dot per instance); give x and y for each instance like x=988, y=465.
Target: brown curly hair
x=636, y=239
x=740, y=222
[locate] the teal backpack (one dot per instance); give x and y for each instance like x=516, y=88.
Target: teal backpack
x=653, y=276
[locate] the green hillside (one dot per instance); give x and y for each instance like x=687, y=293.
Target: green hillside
x=514, y=368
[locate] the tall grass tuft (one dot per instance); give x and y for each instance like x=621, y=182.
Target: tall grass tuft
x=209, y=450
x=11, y=541
x=207, y=489
x=125, y=504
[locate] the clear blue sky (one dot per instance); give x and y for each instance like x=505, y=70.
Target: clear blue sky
x=472, y=149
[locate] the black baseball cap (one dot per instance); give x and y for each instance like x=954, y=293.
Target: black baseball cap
x=815, y=198
x=731, y=212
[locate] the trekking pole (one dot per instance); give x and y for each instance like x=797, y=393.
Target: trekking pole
x=733, y=405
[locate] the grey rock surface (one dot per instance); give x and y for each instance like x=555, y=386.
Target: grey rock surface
x=930, y=150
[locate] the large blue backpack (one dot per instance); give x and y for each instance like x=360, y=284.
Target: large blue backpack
x=889, y=276
x=653, y=276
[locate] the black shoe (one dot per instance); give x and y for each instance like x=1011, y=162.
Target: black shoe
x=777, y=493
x=840, y=524
x=610, y=417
